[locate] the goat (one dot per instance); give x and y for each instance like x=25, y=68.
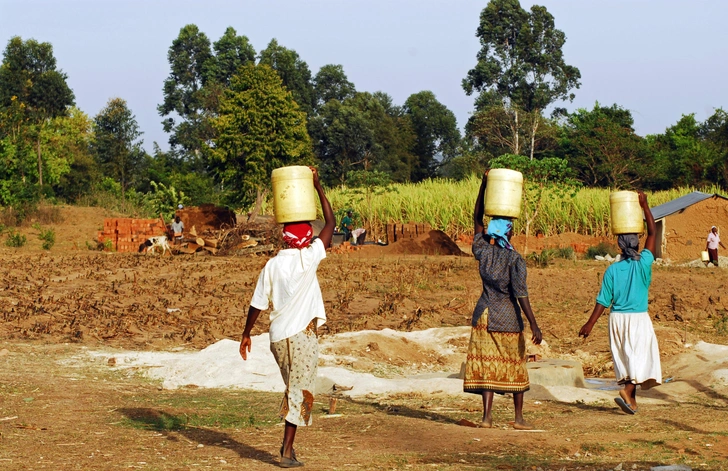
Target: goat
x=153, y=243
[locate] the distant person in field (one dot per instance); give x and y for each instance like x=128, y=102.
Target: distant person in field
x=177, y=228
x=496, y=360
x=712, y=245
x=632, y=339
x=289, y=281
x=347, y=225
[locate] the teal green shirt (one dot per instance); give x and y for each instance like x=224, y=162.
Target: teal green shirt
x=626, y=283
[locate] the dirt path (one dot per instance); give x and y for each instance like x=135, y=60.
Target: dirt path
x=63, y=417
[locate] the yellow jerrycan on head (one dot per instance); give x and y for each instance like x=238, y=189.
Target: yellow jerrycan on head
x=503, y=193
x=294, y=197
x=626, y=213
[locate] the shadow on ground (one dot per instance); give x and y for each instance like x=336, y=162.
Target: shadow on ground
x=173, y=425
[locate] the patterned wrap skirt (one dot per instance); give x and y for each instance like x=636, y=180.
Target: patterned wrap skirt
x=297, y=358
x=496, y=361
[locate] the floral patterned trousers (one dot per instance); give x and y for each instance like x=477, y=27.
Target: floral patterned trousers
x=297, y=358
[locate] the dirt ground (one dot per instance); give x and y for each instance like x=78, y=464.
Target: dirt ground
x=57, y=415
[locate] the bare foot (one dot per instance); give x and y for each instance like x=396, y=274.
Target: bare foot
x=522, y=426
x=487, y=423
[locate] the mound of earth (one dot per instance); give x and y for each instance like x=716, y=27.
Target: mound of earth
x=206, y=217
x=434, y=242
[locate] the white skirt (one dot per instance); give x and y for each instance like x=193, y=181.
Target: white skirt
x=634, y=348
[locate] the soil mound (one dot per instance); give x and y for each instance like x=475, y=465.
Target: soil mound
x=434, y=242
x=206, y=217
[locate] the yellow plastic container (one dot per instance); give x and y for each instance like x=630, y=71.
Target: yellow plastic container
x=705, y=256
x=626, y=213
x=504, y=193
x=294, y=197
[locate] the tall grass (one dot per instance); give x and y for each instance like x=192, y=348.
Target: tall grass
x=448, y=206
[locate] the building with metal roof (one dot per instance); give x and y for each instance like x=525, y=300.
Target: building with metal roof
x=683, y=224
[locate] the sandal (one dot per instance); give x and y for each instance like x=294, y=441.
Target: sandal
x=626, y=408
x=290, y=462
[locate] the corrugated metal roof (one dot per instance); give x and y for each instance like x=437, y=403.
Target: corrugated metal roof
x=678, y=204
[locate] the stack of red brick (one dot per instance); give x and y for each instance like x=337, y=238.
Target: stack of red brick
x=125, y=234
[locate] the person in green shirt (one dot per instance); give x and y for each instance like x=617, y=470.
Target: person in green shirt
x=347, y=225
x=632, y=339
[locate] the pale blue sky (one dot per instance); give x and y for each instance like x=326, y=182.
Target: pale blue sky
x=658, y=58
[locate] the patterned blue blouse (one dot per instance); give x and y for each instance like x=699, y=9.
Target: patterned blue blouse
x=503, y=273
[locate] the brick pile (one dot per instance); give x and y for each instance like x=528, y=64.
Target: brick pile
x=126, y=234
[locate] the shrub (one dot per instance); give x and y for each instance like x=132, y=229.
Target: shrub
x=15, y=239
x=48, y=237
x=603, y=248
x=541, y=260
x=567, y=253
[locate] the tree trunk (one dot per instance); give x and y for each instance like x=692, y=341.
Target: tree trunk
x=259, y=198
x=213, y=243
x=517, y=146
x=534, y=128
x=40, y=164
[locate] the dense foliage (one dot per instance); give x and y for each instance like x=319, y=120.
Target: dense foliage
x=232, y=115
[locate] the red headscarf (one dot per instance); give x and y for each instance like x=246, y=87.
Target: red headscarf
x=297, y=235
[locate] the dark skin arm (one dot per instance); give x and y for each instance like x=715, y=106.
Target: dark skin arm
x=327, y=232
x=479, y=210
x=651, y=228
x=596, y=314
x=526, y=308
x=247, y=343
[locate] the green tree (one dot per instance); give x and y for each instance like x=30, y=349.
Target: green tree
x=714, y=131
x=191, y=64
x=117, y=145
x=342, y=138
x=28, y=77
x=520, y=67
x=70, y=167
x=231, y=52
x=602, y=147
x=684, y=156
x=437, y=133
x=331, y=83
x=259, y=128
x=366, y=132
x=293, y=71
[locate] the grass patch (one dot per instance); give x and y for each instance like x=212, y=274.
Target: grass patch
x=182, y=409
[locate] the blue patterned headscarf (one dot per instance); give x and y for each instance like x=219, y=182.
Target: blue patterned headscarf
x=497, y=229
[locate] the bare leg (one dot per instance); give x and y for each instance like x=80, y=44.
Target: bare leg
x=519, y=423
x=487, y=409
x=289, y=434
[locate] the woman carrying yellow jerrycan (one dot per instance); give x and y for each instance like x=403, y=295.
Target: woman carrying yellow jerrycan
x=632, y=339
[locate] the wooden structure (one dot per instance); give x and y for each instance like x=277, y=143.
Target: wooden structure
x=397, y=232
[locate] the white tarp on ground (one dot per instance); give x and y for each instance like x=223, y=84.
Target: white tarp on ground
x=701, y=367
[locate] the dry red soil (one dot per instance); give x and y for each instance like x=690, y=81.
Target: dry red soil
x=54, y=415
